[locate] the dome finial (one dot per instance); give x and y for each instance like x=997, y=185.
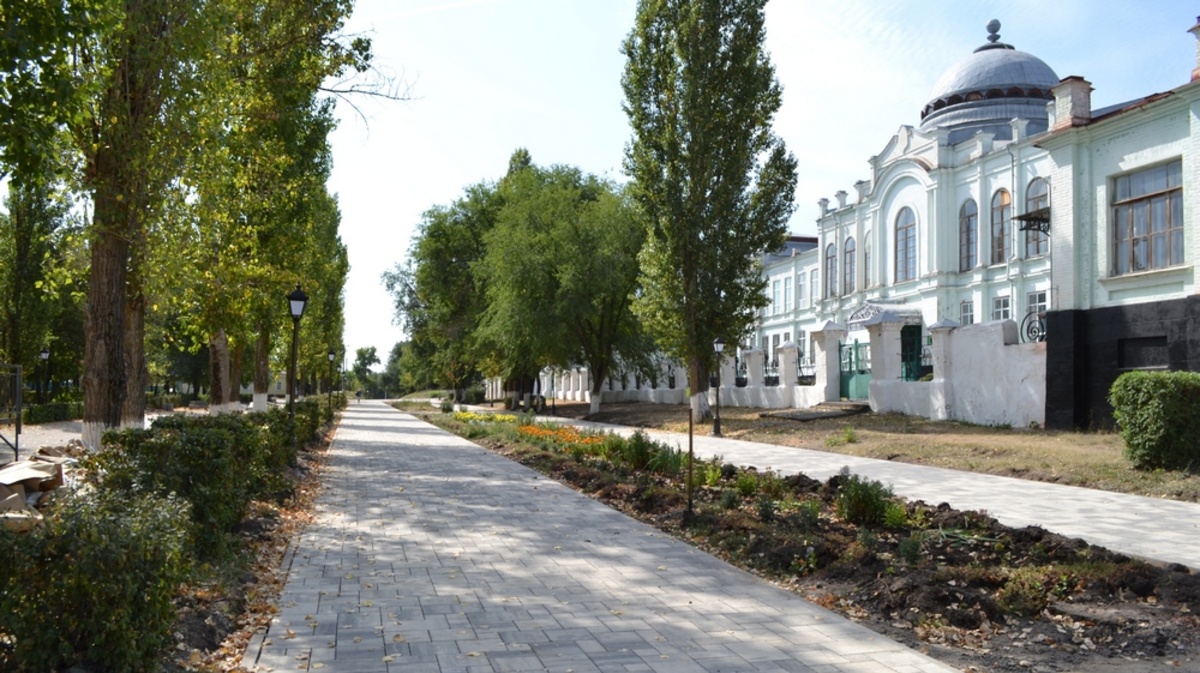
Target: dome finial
x=993, y=28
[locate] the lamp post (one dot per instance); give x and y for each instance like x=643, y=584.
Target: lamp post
x=718, y=346
x=45, y=356
x=331, y=355
x=297, y=300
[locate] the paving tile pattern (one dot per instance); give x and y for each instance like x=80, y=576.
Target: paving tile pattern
x=432, y=555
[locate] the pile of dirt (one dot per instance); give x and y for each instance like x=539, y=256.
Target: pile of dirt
x=958, y=585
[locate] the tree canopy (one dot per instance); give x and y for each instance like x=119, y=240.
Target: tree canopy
x=715, y=183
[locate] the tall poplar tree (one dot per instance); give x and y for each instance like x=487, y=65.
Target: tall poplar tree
x=715, y=182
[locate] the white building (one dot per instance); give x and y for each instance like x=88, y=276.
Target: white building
x=1012, y=200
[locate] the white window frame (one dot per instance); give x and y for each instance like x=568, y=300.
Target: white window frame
x=1002, y=308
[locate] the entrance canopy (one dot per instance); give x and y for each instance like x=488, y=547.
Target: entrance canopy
x=906, y=314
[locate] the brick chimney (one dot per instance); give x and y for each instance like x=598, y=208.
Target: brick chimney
x=1072, y=102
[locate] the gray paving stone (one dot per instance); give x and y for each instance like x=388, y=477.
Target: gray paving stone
x=483, y=566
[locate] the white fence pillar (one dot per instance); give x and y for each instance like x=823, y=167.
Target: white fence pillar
x=828, y=372
x=754, y=358
x=885, y=346
x=788, y=354
x=941, y=393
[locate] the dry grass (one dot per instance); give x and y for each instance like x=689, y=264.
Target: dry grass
x=1088, y=459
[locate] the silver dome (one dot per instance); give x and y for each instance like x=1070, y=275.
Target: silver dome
x=987, y=89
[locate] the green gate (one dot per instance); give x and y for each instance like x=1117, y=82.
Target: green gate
x=855, y=370
x=910, y=353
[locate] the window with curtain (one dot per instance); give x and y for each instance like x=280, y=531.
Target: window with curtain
x=1147, y=214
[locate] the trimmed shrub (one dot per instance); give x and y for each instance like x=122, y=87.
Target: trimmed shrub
x=1159, y=417
x=216, y=463
x=93, y=585
x=50, y=412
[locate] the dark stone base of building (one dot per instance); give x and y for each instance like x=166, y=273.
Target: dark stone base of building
x=1087, y=350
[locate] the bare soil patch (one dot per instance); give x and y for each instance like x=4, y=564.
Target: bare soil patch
x=1087, y=459
x=959, y=586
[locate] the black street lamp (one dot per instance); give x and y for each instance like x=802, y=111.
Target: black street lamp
x=718, y=346
x=45, y=356
x=297, y=300
x=331, y=355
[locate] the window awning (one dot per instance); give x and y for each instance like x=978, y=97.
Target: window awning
x=1035, y=220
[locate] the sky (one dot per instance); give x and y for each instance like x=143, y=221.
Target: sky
x=486, y=77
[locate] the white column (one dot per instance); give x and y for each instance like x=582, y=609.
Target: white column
x=828, y=372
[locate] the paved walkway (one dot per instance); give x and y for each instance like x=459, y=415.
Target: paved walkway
x=431, y=555
x=1152, y=528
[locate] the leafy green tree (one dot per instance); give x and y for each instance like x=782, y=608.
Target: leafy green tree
x=27, y=231
x=392, y=378
x=560, y=269
x=363, y=359
x=437, y=296
x=40, y=90
x=714, y=181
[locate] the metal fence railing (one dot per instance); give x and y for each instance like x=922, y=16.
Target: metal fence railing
x=10, y=406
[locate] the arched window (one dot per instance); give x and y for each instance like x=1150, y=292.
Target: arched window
x=1001, y=223
x=906, y=245
x=1037, y=197
x=848, y=266
x=968, y=236
x=831, y=270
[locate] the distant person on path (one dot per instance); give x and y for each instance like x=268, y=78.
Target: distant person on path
x=359, y=395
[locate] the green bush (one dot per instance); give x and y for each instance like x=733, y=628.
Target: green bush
x=772, y=485
x=808, y=514
x=53, y=411
x=766, y=508
x=909, y=549
x=637, y=451
x=1158, y=414
x=730, y=499
x=710, y=471
x=667, y=461
x=1024, y=593
x=746, y=484
x=216, y=463
x=862, y=501
x=895, y=516
x=93, y=585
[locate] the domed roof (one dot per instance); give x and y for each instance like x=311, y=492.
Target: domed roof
x=993, y=85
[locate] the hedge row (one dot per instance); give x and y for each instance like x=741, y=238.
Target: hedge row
x=1158, y=414
x=94, y=584
x=52, y=411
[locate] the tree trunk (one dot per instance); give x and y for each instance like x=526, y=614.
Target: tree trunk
x=698, y=383
x=262, y=370
x=235, y=375
x=597, y=388
x=103, y=377
x=218, y=367
x=137, y=375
